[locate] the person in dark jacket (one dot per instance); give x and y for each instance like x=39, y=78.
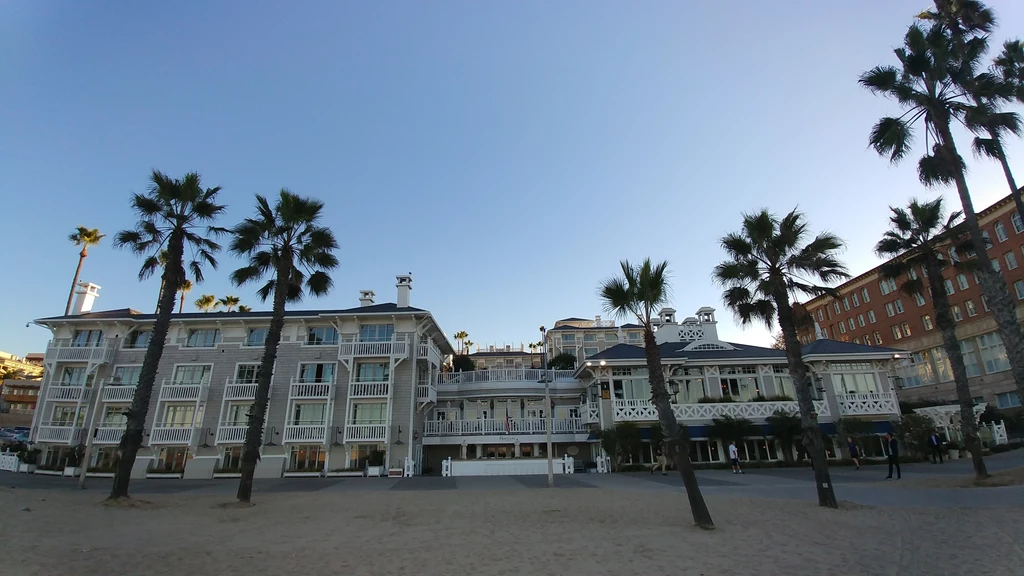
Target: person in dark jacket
x=893, y=451
x=854, y=451
x=935, y=443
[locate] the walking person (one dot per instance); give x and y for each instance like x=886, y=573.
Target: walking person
x=936, y=445
x=854, y=451
x=893, y=449
x=660, y=462
x=734, y=456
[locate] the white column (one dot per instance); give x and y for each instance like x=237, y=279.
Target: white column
x=479, y=451
x=518, y=454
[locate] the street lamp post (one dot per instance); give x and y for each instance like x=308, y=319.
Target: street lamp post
x=547, y=406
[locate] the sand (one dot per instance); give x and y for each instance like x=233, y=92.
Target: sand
x=1008, y=477
x=556, y=531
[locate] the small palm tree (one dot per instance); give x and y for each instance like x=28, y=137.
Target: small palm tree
x=935, y=85
x=244, y=308
x=468, y=346
x=911, y=244
x=287, y=246
x=83, y=237
x=185, y=288
x=461, y=336
x=729, y=429
x=786, y=428
x=769, y=267
x=206, y=303
x=173, y=214
x=638, y=293
x=229, y=302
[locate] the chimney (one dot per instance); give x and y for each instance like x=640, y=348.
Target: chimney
x=366, y=298
x=597, y=321
x=404, y=284
x=85, y=296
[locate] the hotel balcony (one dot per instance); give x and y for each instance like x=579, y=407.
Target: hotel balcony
x=59, y=433
x=368, y=390
x=591, y=413
x=365, y=432
x=67, y=393
x=644, y=411
x=498, y=427
x=239, y=389
x=62, y=350
x=171, y=434
x=117, y=393
x=427, y=351
x=305, y=433
x=353, y=347
x=230, y=433
x=867, y=404
x=426, y=392
x=107, y=434
x=533, y=375
x=172, y=391
x=305, y=390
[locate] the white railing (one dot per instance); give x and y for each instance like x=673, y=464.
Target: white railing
x=593, y=413
x=643, y=410
x=108, y=435
x=429, y=352
x=365, y=432
x=504, y=375
x=67, y=393
x=368, y=389
x=174, y=391
x=112, y=393
x=239, y=389
x=426, y=393
x=305, y=433
x=9, y=462
x=872, y=403
x=169, y=434
x=61, y=350
x=512, y=426
x=398, y=346
x=230, y=433
x=310, y=390
x=59, y=433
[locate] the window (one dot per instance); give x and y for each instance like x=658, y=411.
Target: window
x=842, y=327
x=906, y=329
x=691, y=384
x=590, y=337
x=957, y=315
x=1018, y=226
x=927, y=321
x=138, y=339
x=976, y=279
x=310, y=413
x=316, y=373
x=1008, y=400
x=846, y=303
x=372, y=372
x=307, y=458
x=611, y=337
x=856, y=340
x=919, y=299
x=359, y=454
x=323, y=336
x=375, y=413
x=896, y=332
x=912, y=273
x=87, y=338
x=860, y=320
x=890, y=311
x=115, y=415
x=739, y=383
x=835, y=305
x=179, y=416
x=231, y=459
x=202, y=338
x=971, y=309
x=924, y=271
x=247, y=373
x=376, y=332
x=899, y=306
x=851, y=323
x=568, y=339
x=949, y=286
x=961, y=280
x=192, y=374
x=1011, y=260
x=987, y=239
x=633, y=337
x=878, y=338
x=993, y=354
x=970, y=358
x=75, y=376
x=984, y=303
x=238, y=414
x=862, y=383
x=883, y=287
x=1001, y=232
x=821, y=317
x=67, y=416
x=588, y=352
x=856, y=299
x=995, y=265
x=864, y=294
x=256, y=337
x=953, y=255
x=126, y=375
x=1018, y=287
x=871, y=316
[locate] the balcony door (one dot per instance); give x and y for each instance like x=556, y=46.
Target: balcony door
x=316, y=373
x=181, y=416
x=247, y=373
x=192, y=374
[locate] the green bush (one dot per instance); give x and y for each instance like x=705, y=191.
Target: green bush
x=912, y=432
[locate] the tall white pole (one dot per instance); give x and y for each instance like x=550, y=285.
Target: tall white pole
x=547, y=407
x=91, y=431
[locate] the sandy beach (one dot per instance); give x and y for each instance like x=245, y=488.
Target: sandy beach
x=596, y=532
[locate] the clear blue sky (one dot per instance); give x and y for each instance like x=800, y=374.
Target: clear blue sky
x=507, y=154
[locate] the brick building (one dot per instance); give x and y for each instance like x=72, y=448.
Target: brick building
x=872, y=310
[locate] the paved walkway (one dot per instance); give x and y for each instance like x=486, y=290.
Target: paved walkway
x=865, y=486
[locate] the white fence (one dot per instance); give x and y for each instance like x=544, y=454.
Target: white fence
x=9, y=462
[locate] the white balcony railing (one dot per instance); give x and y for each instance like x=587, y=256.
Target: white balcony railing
x=61, y=350
x=67, y=393
x=865, y=404
x=174, y=391
x=429, y=352
x=643, y=410
x=426, y=392
x=299, y=389
x=397, y=346
x=510, y=426
x=368, y=389
x=112, y=393
x=504, y=375
x=365, y=432
x=108, y=435
x=170, y=434
x=316, y=433
x=231, y=433
x=239, y=389
x=59, y=433
x=592, y=414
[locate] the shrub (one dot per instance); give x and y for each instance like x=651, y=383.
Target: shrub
x=912, y=431
x=1015, y=445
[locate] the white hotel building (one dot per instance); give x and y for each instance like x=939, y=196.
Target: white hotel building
x=367, y=389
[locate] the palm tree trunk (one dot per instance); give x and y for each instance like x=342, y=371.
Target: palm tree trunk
x=944, y=320
x=813, y=442
x=678, y=439
x=993, y=284
x=131, y=440
x=254, y=434
x=74, y=283
x=181, y=306
x=160, y=295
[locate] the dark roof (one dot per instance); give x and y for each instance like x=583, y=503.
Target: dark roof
x=506, y=353
x=826, y=346
x=125, y=313
x=574, y=319
x=674, y=351
x=576, y=328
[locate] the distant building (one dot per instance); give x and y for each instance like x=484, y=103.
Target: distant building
x=30, y=366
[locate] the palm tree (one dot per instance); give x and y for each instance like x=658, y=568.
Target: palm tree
x=287, y=246
x=174, y=213
x=83, y=237
x=468, y=346
x=929, y=85
x=206, y=303
x=461, y=336
x=911, y=244
x=729, y=429
x=769, y=267
x=244, y=308
x=786, y=428
x=185, y=287
x=229, y=302
x=639, y=292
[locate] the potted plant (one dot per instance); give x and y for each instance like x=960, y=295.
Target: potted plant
x=73, y=462
x=28, y=459
x=953, y=448
x=375, y=463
